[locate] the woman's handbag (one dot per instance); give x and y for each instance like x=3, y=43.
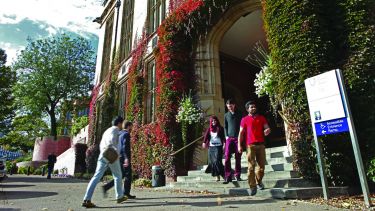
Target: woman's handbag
x=110, y=154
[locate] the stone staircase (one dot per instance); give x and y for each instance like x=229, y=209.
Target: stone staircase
x=280, y=180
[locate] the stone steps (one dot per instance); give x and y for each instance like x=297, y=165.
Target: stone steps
x=268, y=168
x=280, y=180
x=275, y=152
x=277, y=193
x=268, y=175
x=269, y=161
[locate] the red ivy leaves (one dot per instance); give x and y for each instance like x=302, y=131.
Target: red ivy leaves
x=172, y=71
x=187, y=8
x=92, y=114
x=133, y=105
x=150, y=147
x=152, y=142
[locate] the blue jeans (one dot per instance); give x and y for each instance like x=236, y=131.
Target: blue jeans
x=101, y=167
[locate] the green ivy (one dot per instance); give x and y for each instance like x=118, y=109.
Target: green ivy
x=307, y=38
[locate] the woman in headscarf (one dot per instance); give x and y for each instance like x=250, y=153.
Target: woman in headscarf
x=214, y=140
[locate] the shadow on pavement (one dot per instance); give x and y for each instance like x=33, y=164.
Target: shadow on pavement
x=40, y=179
x=13, y=195
x=4, y=185
x=10, y=209
x=185, y=197
x=226, y=204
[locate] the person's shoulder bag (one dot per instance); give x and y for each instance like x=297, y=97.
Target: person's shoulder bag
x=110, y=154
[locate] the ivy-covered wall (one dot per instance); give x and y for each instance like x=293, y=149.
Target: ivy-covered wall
x=310, y=37
x=305, y=38
x=175, y=76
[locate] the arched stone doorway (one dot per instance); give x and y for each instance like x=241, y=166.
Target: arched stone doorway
x=217, y=56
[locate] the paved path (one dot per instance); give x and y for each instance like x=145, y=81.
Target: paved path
x=21, y=192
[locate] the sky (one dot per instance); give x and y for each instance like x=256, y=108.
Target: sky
x=36, y=19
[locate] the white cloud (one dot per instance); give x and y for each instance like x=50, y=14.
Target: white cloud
x=51, y=30
x=76, y=15
x=53, y=16
x=11, y=50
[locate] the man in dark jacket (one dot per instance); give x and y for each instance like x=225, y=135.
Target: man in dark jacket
x=51, y=164
x=232, y=120
x=125, y=160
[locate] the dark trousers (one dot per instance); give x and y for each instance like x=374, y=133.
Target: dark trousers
x=215, y=165
x=127, y=174
x=50, y=170
x=231, y=147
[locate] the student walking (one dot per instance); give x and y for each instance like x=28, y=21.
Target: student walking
x=254, y=128
x=51, y=164
x=108, y=146
x=232, y=120
x=214, y=140
x=125, y=160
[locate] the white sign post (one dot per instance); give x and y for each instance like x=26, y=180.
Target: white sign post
x=330, y=113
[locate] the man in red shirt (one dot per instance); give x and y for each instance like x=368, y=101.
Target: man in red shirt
x=252, y=130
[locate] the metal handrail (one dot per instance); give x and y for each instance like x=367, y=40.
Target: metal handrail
x=186, y=146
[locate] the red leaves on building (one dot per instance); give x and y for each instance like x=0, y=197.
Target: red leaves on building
x=92, y=113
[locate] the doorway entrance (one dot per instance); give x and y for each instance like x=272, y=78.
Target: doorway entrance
x=225, y=72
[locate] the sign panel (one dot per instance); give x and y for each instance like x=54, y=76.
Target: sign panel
x=331, y=127
x=324, y=97
x=330, y=113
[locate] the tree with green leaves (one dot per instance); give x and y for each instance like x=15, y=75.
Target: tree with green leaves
x=51, y=71
x=7, y=80
x=25, y=129
x=78, y=124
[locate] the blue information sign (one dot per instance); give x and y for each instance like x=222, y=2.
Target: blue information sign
x=331, y=127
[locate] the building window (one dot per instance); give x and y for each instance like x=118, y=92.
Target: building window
x=68, y=116
x=151, y=92
x=107, y=47
x=156, y=14
x=122, y=99
x=127, y=29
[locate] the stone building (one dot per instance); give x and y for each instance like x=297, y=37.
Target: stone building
x=220, y=57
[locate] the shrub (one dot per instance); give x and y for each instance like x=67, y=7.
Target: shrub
x=142, y=183
x=80, y=152
x=85, y=176
x=8, y=165
x=107, y=178
x=371, y=170
x=24, y=169
x=38, y=171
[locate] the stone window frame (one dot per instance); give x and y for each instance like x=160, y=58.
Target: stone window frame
x=106, y=58
x=151, y=84
x=123, y=97
x=156, y=13
x=127, y=29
